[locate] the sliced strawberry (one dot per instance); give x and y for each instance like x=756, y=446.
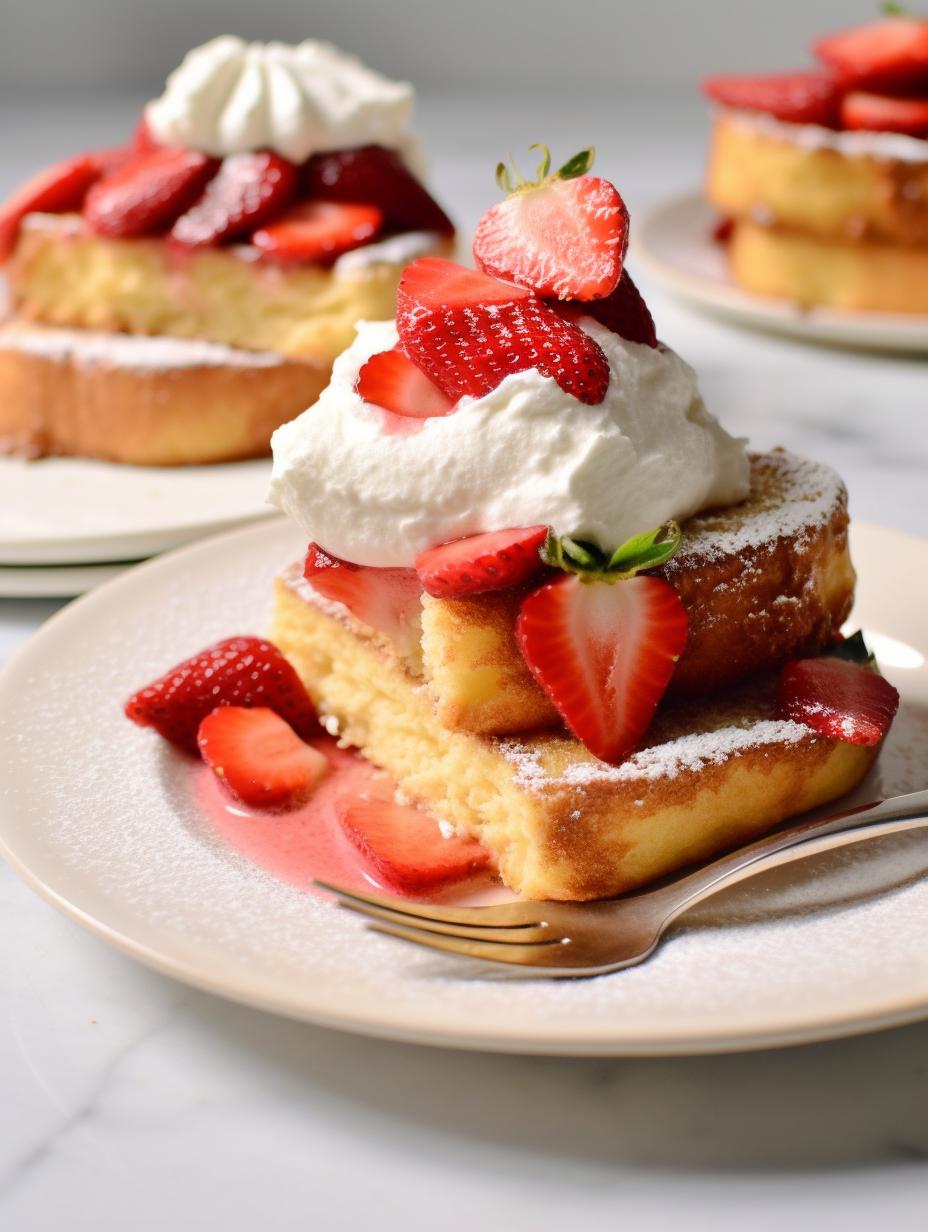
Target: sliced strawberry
x=390, y=379
x=259, y=757
x=843, y=700
x=56, y=190
x=723, y=229
x=624, y=312
x=604, y=653
x=480, y=563
x=378, y=177
x=143, y=140
x=467, y=331
x=887, y=55
x=388, y=600
x=798, y=98
x=248, y=191
x=240, y=671
x=882, y=113
x=318, y=231
x=404, y=847
x=146, y=194
x=564, y=236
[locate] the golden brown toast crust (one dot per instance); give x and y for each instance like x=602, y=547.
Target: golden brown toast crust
x=762, y=582
x=145, y=401
x=559, y=823
x=760, y=171
x=848, y=276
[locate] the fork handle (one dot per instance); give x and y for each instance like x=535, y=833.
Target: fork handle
x=856, y=824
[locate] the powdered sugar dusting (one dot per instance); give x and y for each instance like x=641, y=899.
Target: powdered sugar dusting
x=133, y=352
x=687, y=754
x=791, y=498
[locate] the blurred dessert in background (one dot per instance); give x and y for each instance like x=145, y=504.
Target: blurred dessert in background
x=175, y=300
x=821, y=176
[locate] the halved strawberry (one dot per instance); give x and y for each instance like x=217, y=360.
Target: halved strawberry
x=318, y=231
x=239, y=671
x=563, y=235
x=404, y=847
x=247, y=191
x=479, y=563
x=624, y=312
x=604, y=653
x=259, y=757
x=379, y=177
x=390, y=379
x=882, y=113
x=56, y=190
x=889, y=55
x=389, y=600
x=843, y=700
x=146, y=193
x=798, y=98
x=467, y=331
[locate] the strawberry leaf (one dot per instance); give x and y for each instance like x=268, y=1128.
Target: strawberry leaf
x=647, y=551
x=541, y=171
x=854, y=649
x=578, y=165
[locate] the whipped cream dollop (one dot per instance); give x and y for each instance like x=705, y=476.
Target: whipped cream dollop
x=525, y=454
x=229, y=97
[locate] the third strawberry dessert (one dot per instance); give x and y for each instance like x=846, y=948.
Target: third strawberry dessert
x=583, y=637
x=176, y=299
x=823, y=173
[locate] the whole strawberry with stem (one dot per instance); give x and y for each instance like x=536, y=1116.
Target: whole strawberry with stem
x=563, y=234
x=602, y=640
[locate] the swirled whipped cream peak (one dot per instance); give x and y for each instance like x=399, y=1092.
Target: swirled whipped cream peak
x=230, y=96
x=525, y=453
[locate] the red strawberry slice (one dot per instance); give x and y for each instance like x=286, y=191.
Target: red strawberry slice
x=146, y=193
x=143, y=141
x=318, y=231
x=723, y=229
x=798, y=98
x=56, y=190
x=624, y=312
x=248, y=191
x=563, y=238
x=389, y=600
x=881, y=113
x=259, y=757
x=379, y=177
x=390, y=379
x=467, y=331
x=403, y=847
x=239, y=671
x=883, y=55
x=480, y=563
x=840, y=699
x=604, y=653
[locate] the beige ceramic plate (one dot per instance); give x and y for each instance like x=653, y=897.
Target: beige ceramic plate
x=96, y=814
x=674, y=242
x=74, y=511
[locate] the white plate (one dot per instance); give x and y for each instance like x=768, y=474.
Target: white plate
x=63, y=511
x=98, y=816
x=55, y=581
x=674, y=242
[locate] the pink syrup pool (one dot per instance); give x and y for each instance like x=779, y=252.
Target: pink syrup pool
x=308, y=843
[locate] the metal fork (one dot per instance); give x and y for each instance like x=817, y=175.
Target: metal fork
x=581, y=939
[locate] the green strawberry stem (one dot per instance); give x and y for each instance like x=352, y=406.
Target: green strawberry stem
x=591, y=564
x=511, y=180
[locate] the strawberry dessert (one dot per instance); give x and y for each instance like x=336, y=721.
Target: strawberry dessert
x=568, y=627
x=821, y=176
x=176, y=299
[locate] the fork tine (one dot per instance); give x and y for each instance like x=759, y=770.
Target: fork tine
x=510, y=934
x=537, y=954
x=500, y=916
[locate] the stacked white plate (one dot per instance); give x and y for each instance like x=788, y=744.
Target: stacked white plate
x=67, y=524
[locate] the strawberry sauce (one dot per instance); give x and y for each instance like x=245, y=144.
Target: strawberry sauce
x=306, y=843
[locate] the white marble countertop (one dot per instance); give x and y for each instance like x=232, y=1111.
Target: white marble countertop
x=129, y=1101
